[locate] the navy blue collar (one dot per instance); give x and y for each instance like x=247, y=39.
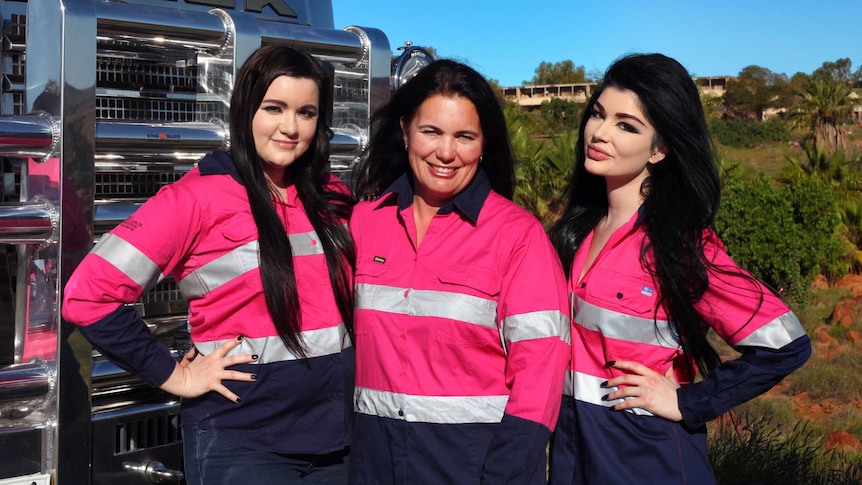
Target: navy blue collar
x=468, y=202
x=219, y=162
x=641, y=215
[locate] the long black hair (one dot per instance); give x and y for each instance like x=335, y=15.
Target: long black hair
x=327, y=208
x=386, y=158
x=681, y=194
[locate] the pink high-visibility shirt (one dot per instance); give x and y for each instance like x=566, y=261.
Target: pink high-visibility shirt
x=200, y=230
x=617, y=317
x=460, y=330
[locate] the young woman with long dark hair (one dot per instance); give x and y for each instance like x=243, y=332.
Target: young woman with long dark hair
x=255, y=237
x=648, y=278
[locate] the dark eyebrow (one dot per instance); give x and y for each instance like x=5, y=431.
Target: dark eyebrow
x=434, y=127
x=284, y=105
x=626, y=116
x=274, y=101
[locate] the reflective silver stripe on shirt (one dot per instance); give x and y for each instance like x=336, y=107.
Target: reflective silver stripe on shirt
x=587, y=388
x=318, y=343
x=775, y=334
x=220, y=271
x=427, y=303
x=625, y=327
x=129, y=259
x=566, y=333
x=245, y=258
x=305, y=244
x=430, y=409
x=534, y=325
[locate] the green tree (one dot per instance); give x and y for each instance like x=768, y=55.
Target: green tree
x=542, y=165
x=560, y=115
x=825, y=105
x=835, y=71
x=753, y=91
x=563, y=72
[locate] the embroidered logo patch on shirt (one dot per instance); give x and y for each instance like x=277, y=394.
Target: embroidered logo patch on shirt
x=646, y=291
x=379, y=259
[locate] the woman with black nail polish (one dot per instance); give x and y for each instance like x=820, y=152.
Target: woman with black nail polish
x=255, y=237
x=648, y=278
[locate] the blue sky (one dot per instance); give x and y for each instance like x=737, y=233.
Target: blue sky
x=506, y=40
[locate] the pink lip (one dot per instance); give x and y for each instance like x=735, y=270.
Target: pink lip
x=596, y=154
x=286, y=143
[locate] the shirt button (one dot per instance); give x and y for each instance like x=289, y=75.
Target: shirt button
x=619, y=295
x=400, y=412
x=406, y=293
x=583, y=285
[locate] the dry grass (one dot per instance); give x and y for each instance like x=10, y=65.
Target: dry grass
x=767, y=159
x=748, y=449
x=823, y=396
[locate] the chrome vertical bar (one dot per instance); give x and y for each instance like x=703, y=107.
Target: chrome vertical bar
x=61, y=67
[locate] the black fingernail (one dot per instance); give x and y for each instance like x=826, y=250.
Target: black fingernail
x=238, y=400
x=611, y=363
x=604, y=384
x=605, y=397
x=254, y=377
x=239, y=337
x=254, y=357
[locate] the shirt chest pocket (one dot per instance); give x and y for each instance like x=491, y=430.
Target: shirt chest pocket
x=371, y=294
x=234, y=243
x=468, y=302
x=633, y=295
x=238, y=230
x=484, y=281
x=370, y=268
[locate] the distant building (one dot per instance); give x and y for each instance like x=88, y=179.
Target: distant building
x=533, y=96
x=712, y=85
x=857, y=106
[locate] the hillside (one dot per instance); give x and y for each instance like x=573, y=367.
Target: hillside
x=820, y=404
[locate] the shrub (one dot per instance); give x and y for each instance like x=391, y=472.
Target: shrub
x=561, y=115
x=742, y=134
x=783, y=234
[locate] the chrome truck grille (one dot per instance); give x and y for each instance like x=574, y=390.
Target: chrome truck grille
x=102, y=103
